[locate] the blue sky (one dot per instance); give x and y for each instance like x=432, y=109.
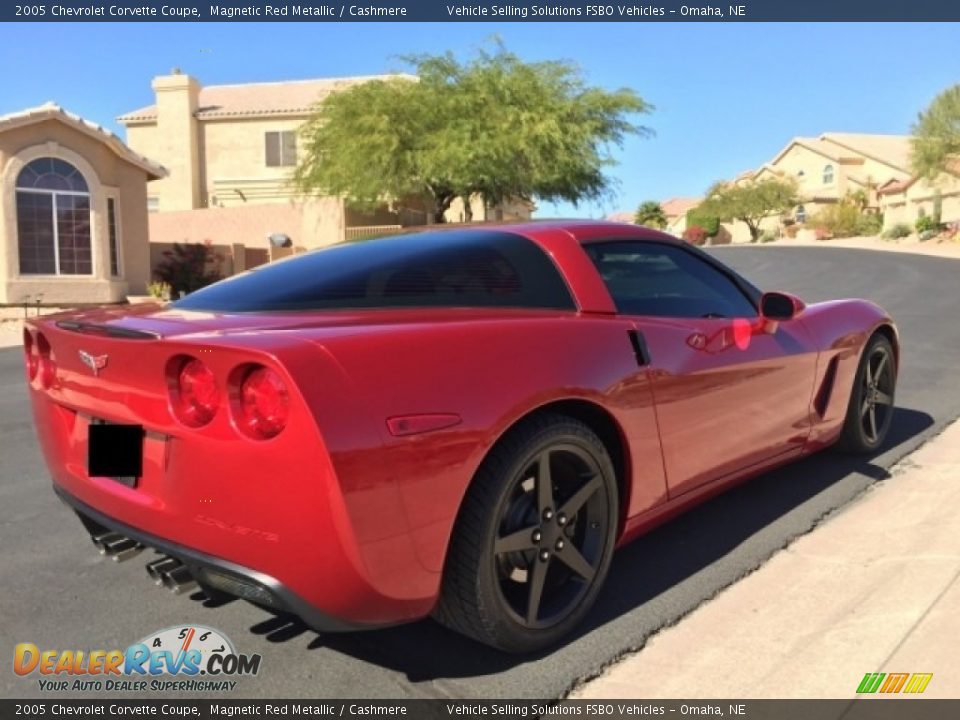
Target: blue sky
x=727, y=96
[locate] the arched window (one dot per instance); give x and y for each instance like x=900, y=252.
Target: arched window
x=801, y=215
x=53, y=219
x=828, y=174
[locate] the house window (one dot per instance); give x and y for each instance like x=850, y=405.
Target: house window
x=113, y=235
x=281, y=148
x=153, y=204
x=800, y=173
x=828, y=174
x=801, y=214
x=53, y=219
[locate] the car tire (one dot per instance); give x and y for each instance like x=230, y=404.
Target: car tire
x=533, y=541
x=870, y=410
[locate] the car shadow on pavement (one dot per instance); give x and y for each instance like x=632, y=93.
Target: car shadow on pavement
x=642, y=570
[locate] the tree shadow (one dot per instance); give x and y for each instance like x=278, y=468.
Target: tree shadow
x=642, y=570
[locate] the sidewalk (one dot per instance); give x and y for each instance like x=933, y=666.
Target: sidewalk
x=875, y=588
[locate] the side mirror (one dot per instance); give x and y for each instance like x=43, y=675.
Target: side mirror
x=780, y=306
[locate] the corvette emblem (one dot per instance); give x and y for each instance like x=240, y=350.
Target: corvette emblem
x=95, y=362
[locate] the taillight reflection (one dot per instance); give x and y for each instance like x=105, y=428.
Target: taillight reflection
x=195, y=396
x=30, y=358
x=46, y=363
x=262, y=403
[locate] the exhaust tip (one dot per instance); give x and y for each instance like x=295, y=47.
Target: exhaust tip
x=159, y=568
x=179, y=580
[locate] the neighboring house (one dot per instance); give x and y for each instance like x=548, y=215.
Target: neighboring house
x=676, y=211
x=231, y=146
x=905, y=201
x=878, y=168
x=73, y=210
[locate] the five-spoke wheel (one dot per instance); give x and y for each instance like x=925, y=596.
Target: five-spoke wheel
x=871, y=399
x=534, y=539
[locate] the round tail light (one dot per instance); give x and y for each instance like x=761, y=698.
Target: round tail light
x=30, y=358
x=263, y=406
x=196, y=396
x=46, y=363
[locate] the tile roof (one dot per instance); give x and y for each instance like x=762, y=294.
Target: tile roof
x=675, y=207
x=52, y=111
x=623, y=217
x=291, y=97
x=894, y=150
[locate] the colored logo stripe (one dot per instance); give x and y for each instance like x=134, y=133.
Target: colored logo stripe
x=894, y=683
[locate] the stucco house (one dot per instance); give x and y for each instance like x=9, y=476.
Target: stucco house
x=832, y=166
x=676, y=211
x=73, y=210
x=231, y=149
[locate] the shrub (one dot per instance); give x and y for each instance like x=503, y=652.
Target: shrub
x=768, y=236
x=869, y=224
x=189, y=266
x=838, y=220
x=159, y=290
x=702, y=218
x=924, y=224
x=900, y=230
x=695, y=235
x=792, y=229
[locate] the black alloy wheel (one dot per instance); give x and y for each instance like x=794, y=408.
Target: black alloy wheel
x=534, y=538
x=872, y=399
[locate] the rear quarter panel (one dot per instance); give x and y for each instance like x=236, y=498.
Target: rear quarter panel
x=489, y=372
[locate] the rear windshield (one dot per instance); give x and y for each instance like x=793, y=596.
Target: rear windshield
x=433, y=269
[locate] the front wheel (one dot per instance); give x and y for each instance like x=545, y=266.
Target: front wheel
x=871, y=400
x=534, y=538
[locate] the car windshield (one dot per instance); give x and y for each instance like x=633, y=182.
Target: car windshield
x=460, y=268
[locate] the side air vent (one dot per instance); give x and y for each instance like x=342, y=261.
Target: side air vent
x=106, y=330
x=639, y=347
x=822, y=400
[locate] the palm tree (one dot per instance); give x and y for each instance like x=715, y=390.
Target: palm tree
x=650, y=213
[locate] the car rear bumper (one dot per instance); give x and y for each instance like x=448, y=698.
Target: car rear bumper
x=210, y=571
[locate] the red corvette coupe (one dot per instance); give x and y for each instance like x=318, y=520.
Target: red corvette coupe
x=461, y=422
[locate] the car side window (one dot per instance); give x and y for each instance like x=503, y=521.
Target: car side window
x=650, y=278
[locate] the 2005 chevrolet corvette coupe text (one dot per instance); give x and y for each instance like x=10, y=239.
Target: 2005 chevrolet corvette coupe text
x=460, y=422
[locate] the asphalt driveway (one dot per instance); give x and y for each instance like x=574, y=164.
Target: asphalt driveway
x=56, y=592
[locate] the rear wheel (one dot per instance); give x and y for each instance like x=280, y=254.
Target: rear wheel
x=534, y=538
x=871, y=400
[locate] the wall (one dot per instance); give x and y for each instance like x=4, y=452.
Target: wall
x=309, y=224
x=111, y=175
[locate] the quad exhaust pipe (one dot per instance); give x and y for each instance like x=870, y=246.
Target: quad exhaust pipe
x=165, y=571
x=172, y=574
x=116, y=546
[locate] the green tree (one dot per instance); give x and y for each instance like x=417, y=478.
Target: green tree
x=936, y=134
x=751, y=202
x=492, y=125
x=701, y=216
x=650, y=213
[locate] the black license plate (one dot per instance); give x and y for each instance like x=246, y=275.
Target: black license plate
x=115, y=451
